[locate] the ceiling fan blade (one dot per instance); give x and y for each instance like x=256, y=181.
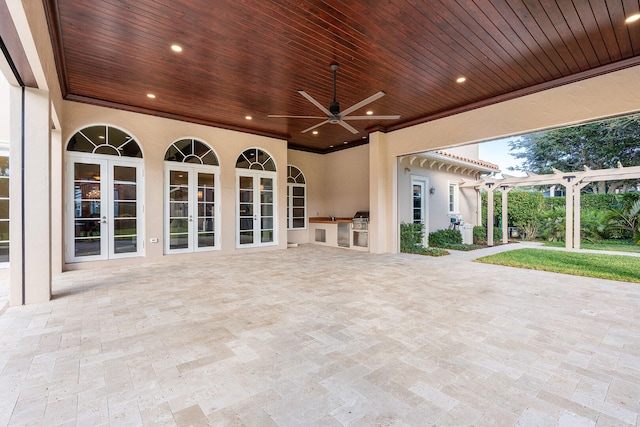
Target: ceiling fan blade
x=371, y=117
x=316, y=103
x=363, y=103
x=315, y=126
x=348, y=127
x=294, y=117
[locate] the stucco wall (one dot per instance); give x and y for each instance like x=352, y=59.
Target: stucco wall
x=154, y=135
x=346, y=182
x=4, y=110
x=312, y=166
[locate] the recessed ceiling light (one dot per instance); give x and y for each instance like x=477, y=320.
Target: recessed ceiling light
x=632, y=18
x=461, y=79
x=248, y=117
x=331, y=146
x=364, y=137
x=369, y=113
x=176, y=48
x=150, y=95
x=345, y=142
x=315, y=132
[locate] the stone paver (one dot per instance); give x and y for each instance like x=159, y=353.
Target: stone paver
x=321, y=336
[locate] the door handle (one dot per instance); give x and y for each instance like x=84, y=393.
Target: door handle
x=190, y=218
x=104, y=219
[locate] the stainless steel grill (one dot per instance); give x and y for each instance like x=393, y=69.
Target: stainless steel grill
x=360, y=221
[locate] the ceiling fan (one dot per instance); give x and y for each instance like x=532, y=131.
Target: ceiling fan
x=333, y=114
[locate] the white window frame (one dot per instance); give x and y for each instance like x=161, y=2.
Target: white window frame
x=453, y=186
x=106, y=161
x=256, y=175
x=290, y=197
x=4, y=151
x=192, y=170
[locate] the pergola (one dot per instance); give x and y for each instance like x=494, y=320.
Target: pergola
x=573, y=183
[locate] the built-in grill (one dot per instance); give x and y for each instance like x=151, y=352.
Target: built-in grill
x=360, y=226
x=360, y=221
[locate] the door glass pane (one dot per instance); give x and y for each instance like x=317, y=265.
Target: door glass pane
x=126, y=244
x=87, y=187
x=206, y=183
x=178, y=209
x=125, y=205
x=266, y=210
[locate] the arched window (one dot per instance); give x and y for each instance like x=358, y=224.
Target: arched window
x=192, y=204
x=256, y=220
x=296, y=199
x=191, y=151
x=104, y=190
x=256, y=159
x=103, y=139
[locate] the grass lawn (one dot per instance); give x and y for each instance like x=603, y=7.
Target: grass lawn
x=605, y=245
x=613, y=267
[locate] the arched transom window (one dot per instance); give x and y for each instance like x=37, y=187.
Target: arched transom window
x=296, y=199
x=102, y=139
x=256, y=159
x=191, y=150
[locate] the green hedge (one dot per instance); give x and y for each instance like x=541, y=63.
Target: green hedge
x=442, y=238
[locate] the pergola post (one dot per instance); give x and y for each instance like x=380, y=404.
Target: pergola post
x=568, y=214
x=577, y=213
x=489, y=214
x=479, y=204
x=504, y=189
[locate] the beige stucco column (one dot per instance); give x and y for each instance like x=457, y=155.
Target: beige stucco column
x=577, y=223
x=383, y=228
x=30, y=187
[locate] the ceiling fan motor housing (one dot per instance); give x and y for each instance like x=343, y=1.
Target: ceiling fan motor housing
x=334, y=108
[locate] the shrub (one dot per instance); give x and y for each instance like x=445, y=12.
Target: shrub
x=552, y=227
x=442, y=238
x=462, y=247
x=430, y=251
x=479, y=234
x=411, y=237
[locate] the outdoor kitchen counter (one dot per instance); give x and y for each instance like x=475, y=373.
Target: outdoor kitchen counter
x=327, y=220
x=336, y=233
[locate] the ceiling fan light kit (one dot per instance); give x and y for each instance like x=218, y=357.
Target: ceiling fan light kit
x=333, y=115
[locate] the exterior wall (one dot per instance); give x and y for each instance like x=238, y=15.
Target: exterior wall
x=337, y=184
x=470, y=151
x=4, y=110
x=438, y=202
x=346, y=182
x=312, y=166
x=155, y=135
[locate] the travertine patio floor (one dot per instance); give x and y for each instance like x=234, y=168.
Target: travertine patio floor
x=315, y=336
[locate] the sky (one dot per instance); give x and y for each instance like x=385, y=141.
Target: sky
x=497, y=152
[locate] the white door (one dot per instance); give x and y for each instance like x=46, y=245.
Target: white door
x=191, y=208
x=256, y=204
x=104, y=208
x=419, y=187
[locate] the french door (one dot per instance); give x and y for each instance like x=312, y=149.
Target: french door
x=191, y=208
x=256, y=204
x=104, y=210
x=419, y=187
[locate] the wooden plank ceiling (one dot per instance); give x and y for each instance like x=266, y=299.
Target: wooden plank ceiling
x=249, y=57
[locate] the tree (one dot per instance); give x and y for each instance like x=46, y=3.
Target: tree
x=598, y=145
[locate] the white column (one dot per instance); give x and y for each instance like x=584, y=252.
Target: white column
x=30, y=210
x=505, y=216
x=569, y=216
x=489, y=216
x=577, y=212
x=479, y=204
